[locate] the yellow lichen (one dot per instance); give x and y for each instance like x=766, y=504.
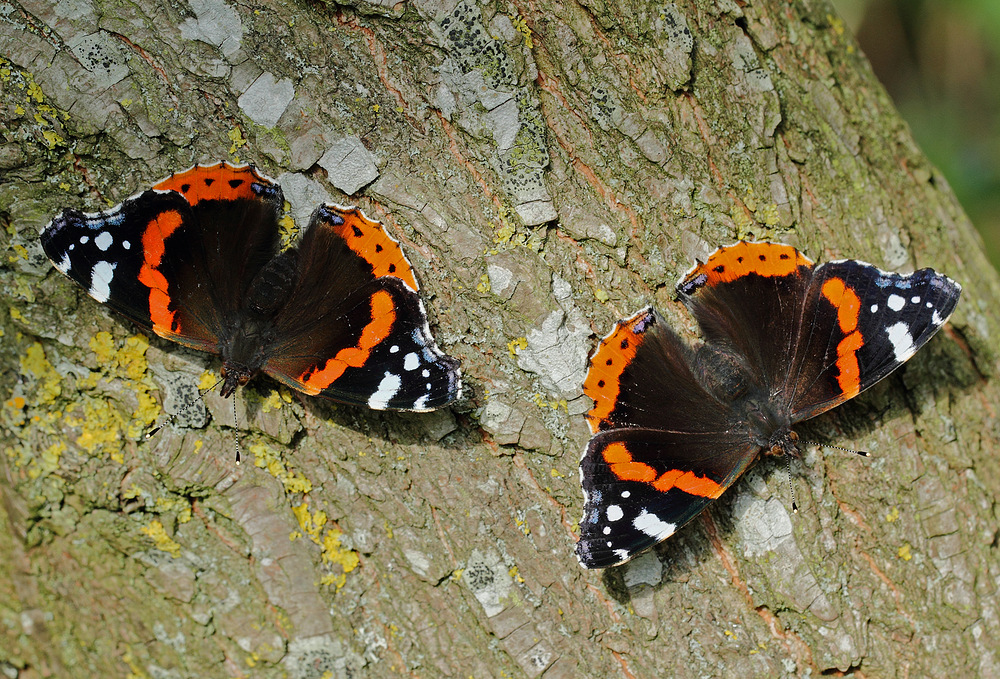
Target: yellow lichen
x=101, y=430
x=905, y=552
x=521, y=26
x=14, y=411
x=311, y=523
x=103, y=346
x=177, y=505
x=207, y=380
x=272, y=402
x=34, y=364
x=516, y=345
x=49, y=459
x=555, y=404
x=266, y=458
x=161, y=541
x=334, y=554
x=239, y=141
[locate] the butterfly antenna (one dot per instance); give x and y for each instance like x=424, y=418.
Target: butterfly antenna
x=170, y=418
x=862, y=453
x=236, y=424
x=791, y=488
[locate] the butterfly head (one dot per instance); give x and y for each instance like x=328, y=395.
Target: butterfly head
x=783, y=442
x=234, y=376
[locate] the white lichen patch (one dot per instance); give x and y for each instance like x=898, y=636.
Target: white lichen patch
x=481, y=71
x=215, y=23
x=266, y=99
x=557, y=350
x=101, y=55
x=349, y=165
x=304, y=194
x=676, y=45
x=489, y=581
x=502, y=281
x=763, y=525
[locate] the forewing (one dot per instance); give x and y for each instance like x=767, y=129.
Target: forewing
x=641, y=485
x=353, y=335
x=640, y=376
x=862, y=324
x=177, y=259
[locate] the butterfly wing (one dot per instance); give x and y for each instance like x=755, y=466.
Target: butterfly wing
x=354, y=328
x=641, y=485
x=748, y=299
x=663, y=449
x=177, y=259
x=861, y=324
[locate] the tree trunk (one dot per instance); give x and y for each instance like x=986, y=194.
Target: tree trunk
x=549, y=167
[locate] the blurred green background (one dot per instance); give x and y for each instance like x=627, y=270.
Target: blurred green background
x=939, y=61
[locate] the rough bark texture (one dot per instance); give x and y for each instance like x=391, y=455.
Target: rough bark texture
x=550, y=166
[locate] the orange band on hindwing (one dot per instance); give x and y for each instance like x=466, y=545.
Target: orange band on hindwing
x=215, y=182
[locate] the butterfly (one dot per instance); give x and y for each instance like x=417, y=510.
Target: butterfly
x=198, y=260
x=675, y=425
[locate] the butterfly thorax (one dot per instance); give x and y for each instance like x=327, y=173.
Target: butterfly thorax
x=245, y=352
x=725, y=375
x=252, y=328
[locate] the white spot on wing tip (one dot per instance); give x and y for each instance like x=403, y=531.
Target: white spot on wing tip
x=100, y=281
x=653, y=526
x=64, y=264
x=411, y=361
x=902, y=341
x=103, y=241
x=895, y=302
x=615, y=513
x=387, y=388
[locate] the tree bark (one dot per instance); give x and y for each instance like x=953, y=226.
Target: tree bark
x=550, y=167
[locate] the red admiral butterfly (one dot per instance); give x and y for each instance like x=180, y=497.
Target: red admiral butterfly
x=198, y=260
x=674, y=426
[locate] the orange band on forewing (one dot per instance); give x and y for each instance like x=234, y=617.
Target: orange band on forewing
x=849, y=377
x=848, y=306
x=371, y=242
x=153, y=245
x=847, y=303
x=383, y=314
x=622, y=465
x=215, y=182
x=606, y=366
x=733, y=262
x=689, y=482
